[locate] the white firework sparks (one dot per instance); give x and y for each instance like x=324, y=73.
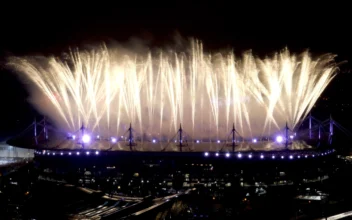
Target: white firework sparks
x=105, y=90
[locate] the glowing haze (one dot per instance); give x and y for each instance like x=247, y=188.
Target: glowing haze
x=106, y=89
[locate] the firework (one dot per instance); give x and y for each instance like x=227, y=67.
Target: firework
x=105, y=89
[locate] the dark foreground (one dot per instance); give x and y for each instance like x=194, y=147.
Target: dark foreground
x=155, y=188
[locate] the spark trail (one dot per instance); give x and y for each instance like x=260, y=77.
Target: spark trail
x=106, y=89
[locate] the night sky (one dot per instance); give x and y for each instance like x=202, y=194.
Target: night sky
x=265, y=28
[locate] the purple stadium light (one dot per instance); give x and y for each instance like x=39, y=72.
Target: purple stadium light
x=250, y=156
x=227, y=154
x=87, y=152
x=206, y=154
x=73, y=137
x=291, y=157
x=77, y=153
x=54, y=154
x=197, y=141
x=113, y=140
x=218, y=141
x=279, y=139
x=282, y=157
x=61, y=153
x=239, y=155
x=298, y=156
x=96, y=152
x=291, y=136
x=217, y=154
x=154, y=140
x=273, y=157
x=262, y=156
x=254, y=140
x=69, y=153
x=86, y=138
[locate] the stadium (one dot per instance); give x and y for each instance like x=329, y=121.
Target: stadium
x=307, y=142
x=107, y=101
